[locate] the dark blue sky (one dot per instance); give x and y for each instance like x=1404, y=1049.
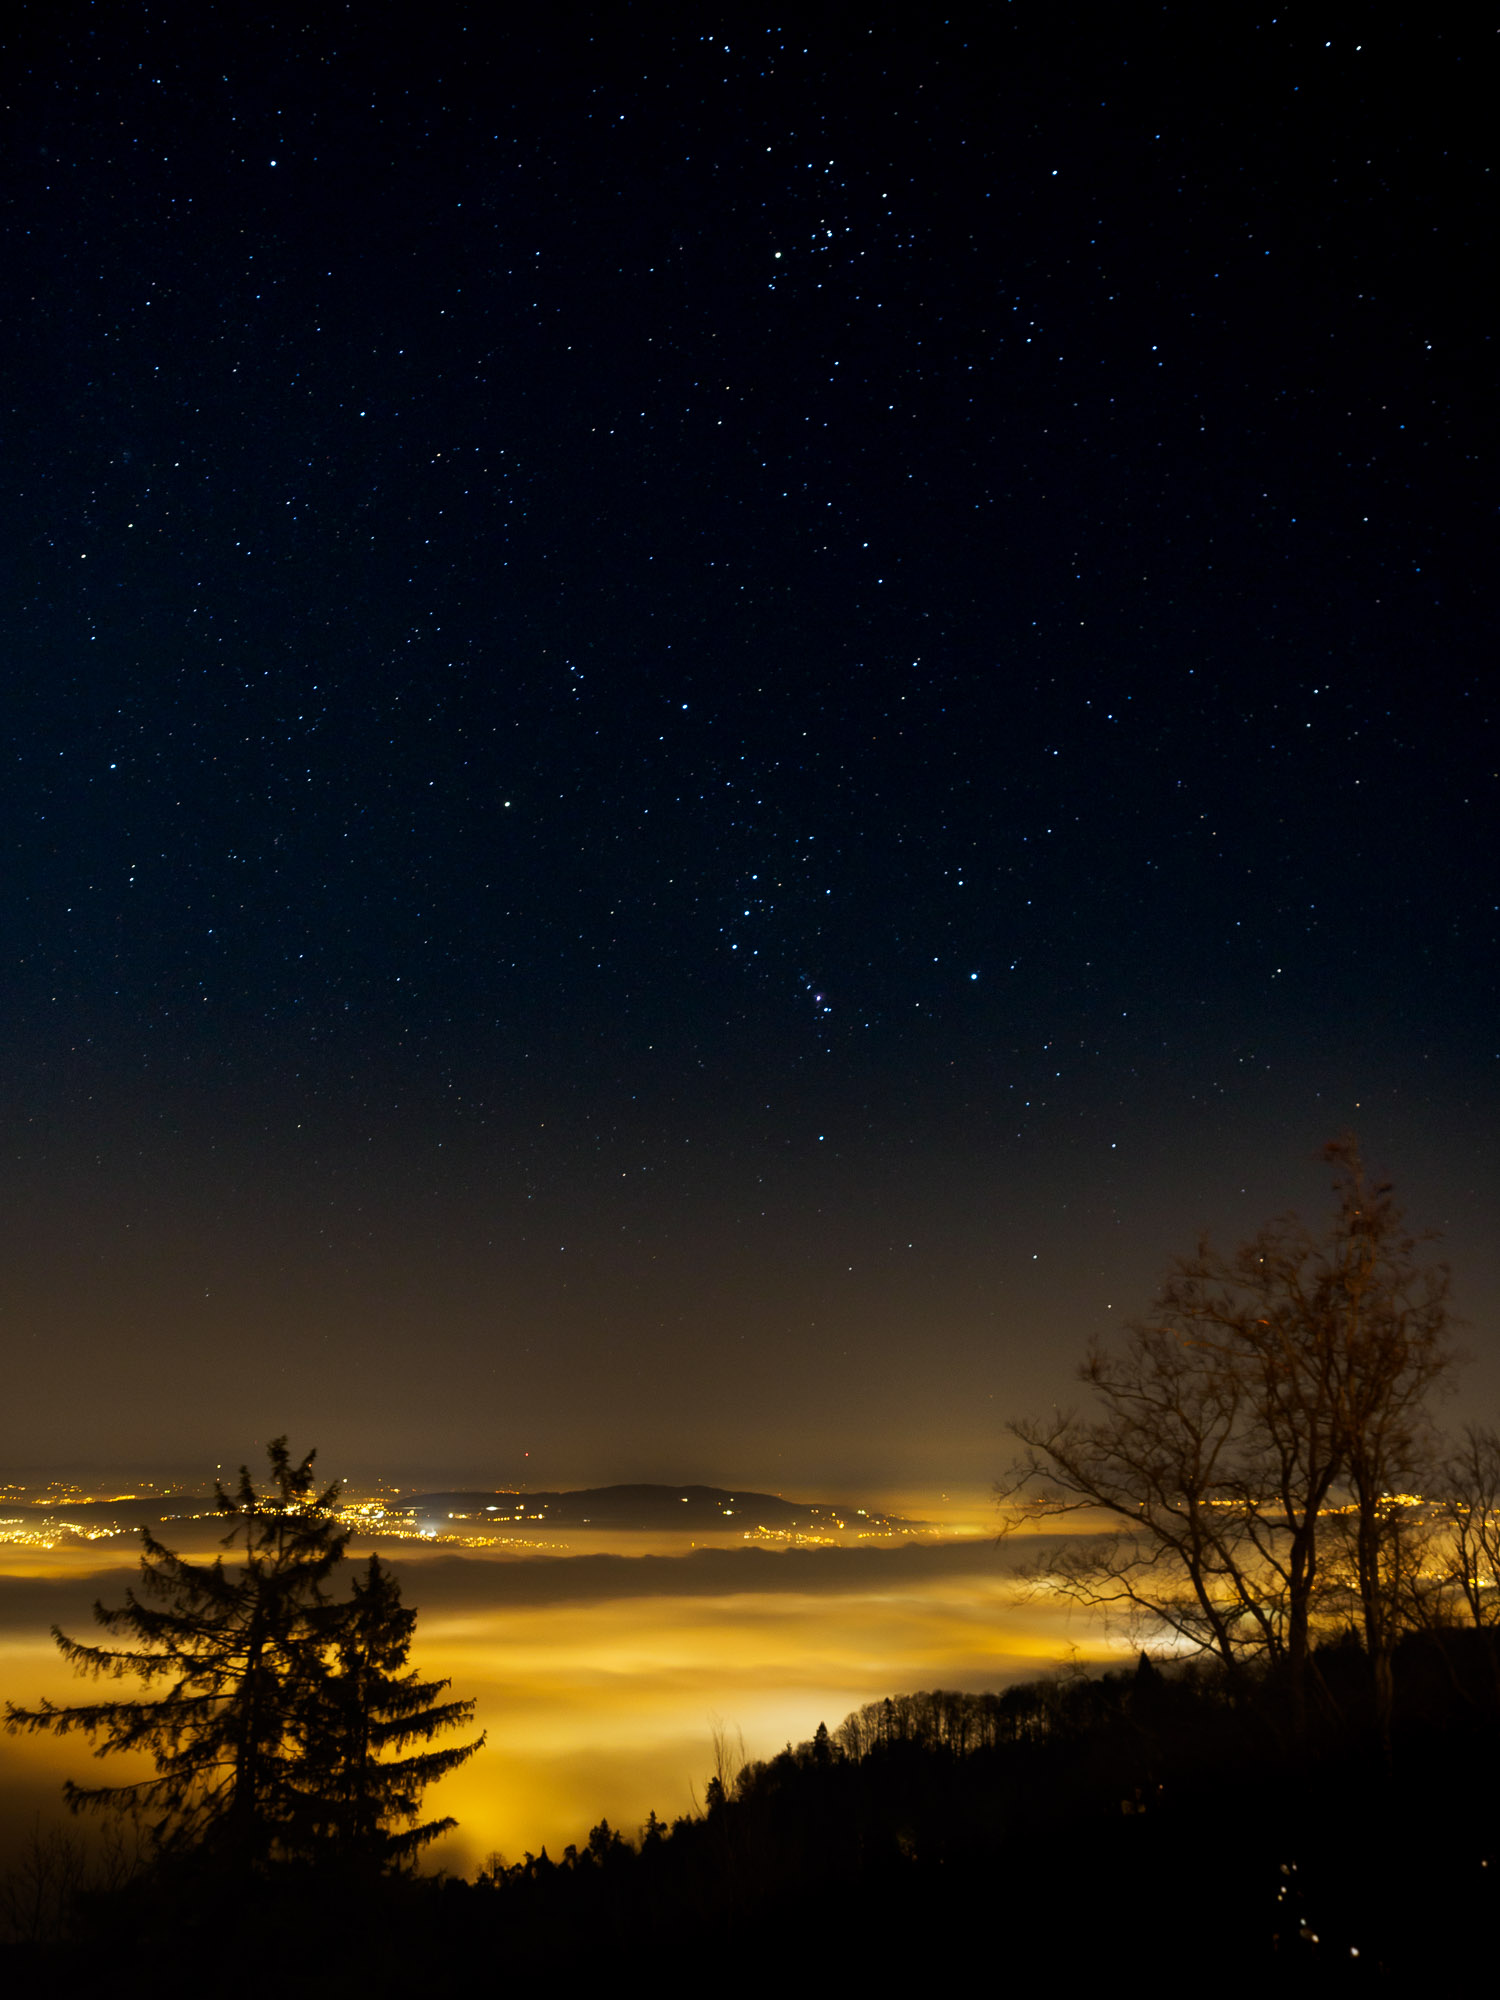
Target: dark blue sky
x=708, y=727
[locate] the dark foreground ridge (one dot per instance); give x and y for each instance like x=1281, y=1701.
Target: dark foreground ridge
x=1066, y=1829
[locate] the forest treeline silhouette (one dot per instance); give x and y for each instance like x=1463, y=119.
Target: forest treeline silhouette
x=1074, y=1824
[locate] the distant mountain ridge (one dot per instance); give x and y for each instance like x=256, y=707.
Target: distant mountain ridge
x=646, y=1507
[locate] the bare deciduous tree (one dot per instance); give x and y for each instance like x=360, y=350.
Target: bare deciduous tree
x=1469, y=1510
x=1260, y=1421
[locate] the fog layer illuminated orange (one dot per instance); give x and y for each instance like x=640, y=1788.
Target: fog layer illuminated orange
x=606, y=1708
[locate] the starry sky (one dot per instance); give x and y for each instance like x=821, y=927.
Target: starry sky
x=709, y=723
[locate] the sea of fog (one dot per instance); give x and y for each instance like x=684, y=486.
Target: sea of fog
x=601, y=1666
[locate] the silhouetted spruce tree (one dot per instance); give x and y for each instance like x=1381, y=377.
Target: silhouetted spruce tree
x=235, y=1656
x=360, y=1772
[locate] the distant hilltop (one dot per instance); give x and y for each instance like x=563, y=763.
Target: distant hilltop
x=659, y=1507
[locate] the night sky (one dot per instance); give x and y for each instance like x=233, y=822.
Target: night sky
x=707, y=726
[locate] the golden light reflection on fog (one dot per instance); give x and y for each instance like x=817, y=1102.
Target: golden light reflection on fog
x=603, y=1705
x=607, y=1709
